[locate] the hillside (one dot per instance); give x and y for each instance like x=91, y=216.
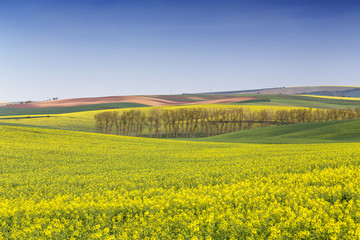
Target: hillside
x=99, y=103
x=67, y=106
x=61, y=184
x=290, y=96
x=341, y=91
x=158, y=100
x=318, y=132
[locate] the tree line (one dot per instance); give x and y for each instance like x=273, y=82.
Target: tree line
x=205, y=122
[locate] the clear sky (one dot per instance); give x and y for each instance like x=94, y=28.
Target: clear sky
x=89, y=48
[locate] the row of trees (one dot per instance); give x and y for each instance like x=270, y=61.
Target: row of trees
x=204, y=122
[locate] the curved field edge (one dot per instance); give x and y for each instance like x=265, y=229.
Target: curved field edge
x=60, y=184
x=317, y=132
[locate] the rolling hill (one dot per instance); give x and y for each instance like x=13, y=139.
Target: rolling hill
x=69, y=185
x=99, y=103
x=341, y=91
x=80, y=105
x=56, y=183
x=291, y=96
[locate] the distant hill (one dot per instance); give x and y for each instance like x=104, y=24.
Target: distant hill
x=102, y=103
x=339, y=91
x=284, y=96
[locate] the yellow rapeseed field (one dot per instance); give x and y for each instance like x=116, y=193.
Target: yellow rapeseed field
x=69, y=185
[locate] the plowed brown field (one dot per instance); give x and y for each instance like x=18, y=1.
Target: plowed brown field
x=146, y=100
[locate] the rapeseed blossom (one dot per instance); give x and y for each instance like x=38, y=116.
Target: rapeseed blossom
x=69, y=185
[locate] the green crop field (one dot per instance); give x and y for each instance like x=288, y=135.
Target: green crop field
x=68, y=185
x=11, y=111
x=317, y=132
x=302, y=101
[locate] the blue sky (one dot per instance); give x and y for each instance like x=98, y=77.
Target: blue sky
x=95, y=48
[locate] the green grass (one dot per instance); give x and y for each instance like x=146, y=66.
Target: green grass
x=319, y=132
x=9, y=111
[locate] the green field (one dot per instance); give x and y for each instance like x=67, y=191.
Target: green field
x=61, y=185
x=11, y=111
x=317, y=132
x=301, y=101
